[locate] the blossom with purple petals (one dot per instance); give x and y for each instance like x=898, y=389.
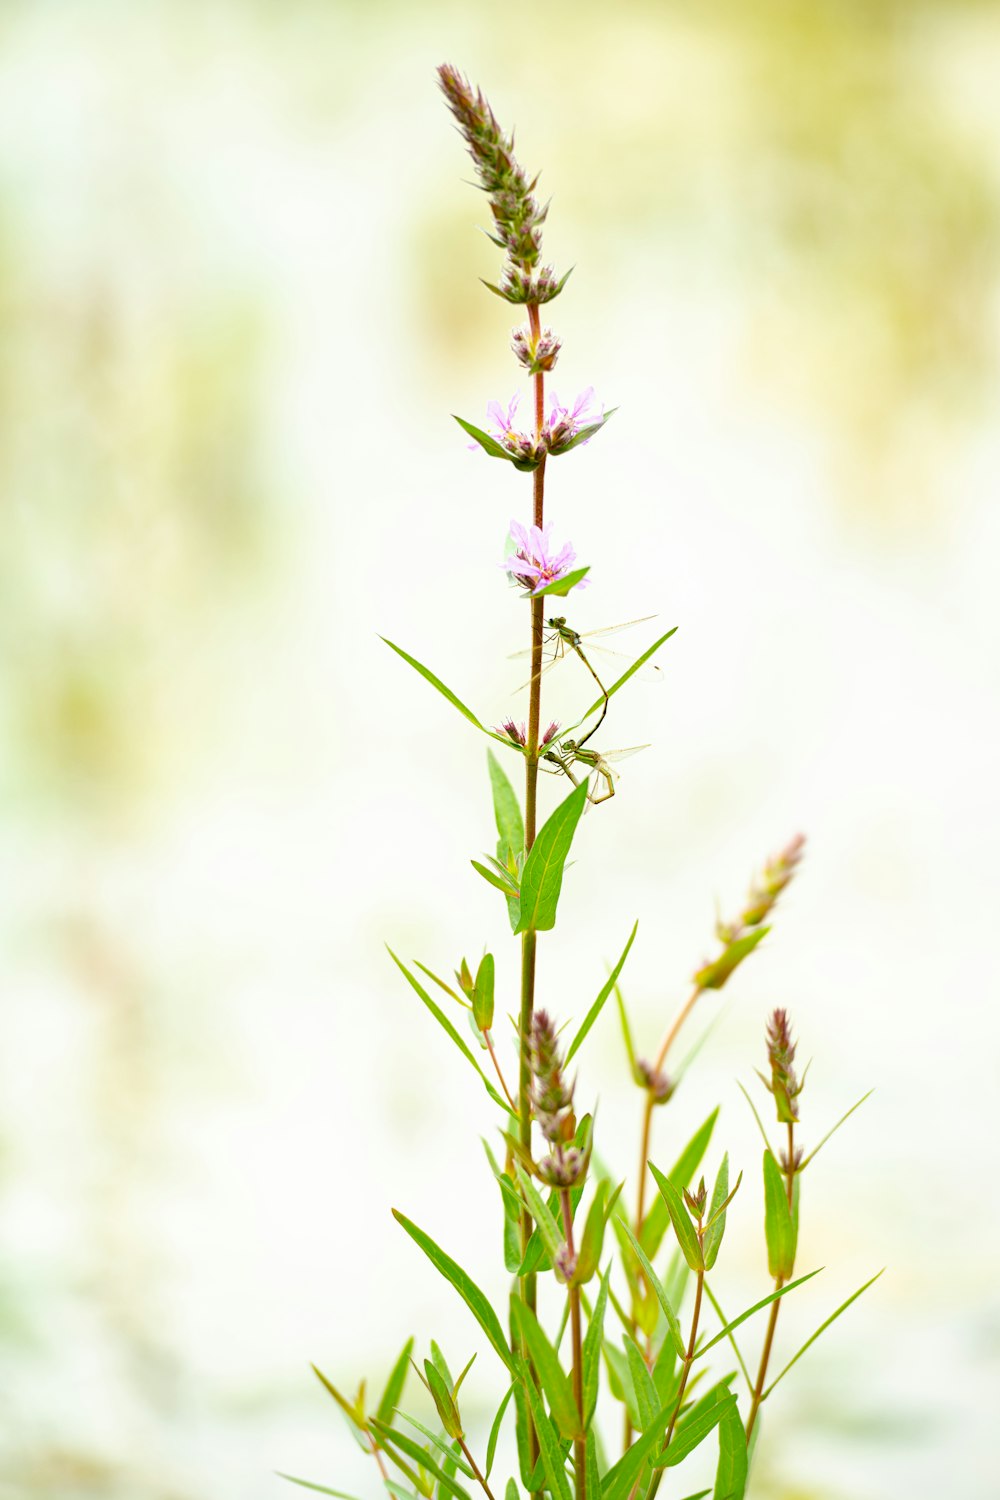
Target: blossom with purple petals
x=520, y=445
x=566, y=423
x=536, y=561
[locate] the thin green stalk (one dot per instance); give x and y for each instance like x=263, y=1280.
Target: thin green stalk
x=475, y=1468
x=688, y=1361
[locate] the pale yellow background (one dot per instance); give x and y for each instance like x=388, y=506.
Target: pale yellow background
x=238, y=300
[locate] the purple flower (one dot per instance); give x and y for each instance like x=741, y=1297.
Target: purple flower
x=536, y=561
x=565, y=423
x=519, y=444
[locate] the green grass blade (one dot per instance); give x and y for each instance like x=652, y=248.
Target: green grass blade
x=473, y=1297
x=646, y=1401
x=822, y=1329
x=598, y=1005
x=619, y=1479
x=836, y=1127
x=393, y=1439
x=592, y=1350
x=626, y=1030
x=696, y=1427
x=541, y=878
x=727, y=1332
x=551, y=1454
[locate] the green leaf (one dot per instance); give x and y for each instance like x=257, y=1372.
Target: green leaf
x=779, y=1229
x=548, y=1228
x=731, y=1474
x=764, y=1301
x=394, y=1385
x=646, y=1401
x=591, y=1464
x=592, y=1351
x=583, y=435
x=836, y=1127
x=502, y=883
x=446, y=1025
x=619, y=1479
x=656, y=1221
x=592, y=1240
x=550, y=1451
x=482, y=995
x=541, y=878
x=627, y=1034
x=491, y=446
x=560, y=587
x=714, y=975
x=353, y=1414
x=522, y=1430
x=511, y=1214
x=727, y=1333
x=444, y=1401
x=506, y=808
x=445, y=692
x=554, y=1380
x=822, y=1329
x=716, y=1227
x=640, y=661
x=491, y=1446
x=687, y=1236
x=512, y=1491
x=700, y=1421
x=673, y=1325
x=444, y=1448
x=474, y=1299
x=413, y=1450
x=753, y=1110
x=598, y=1005
x=320, y=1489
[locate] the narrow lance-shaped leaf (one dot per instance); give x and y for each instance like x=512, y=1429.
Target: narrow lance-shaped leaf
x=445, y=692
x=626, y=1032
x=482, y=994
x=697, y=1426
x=592, y=1351
x=712, y=976
x=687, y=1235
x=554, y=1380
x=493, y=448
x=401, y=1440
x=444, y=1447
x=473, y=1297
x=592, y=1240
x=598, y=1005
x=393, y=1392
x=779, y=1229
x=541, y=878
x=506, y=808
x=716, y=1225
x=646, y=1400
x=446, y=1025
x=639, y=662
x=560, y=587
x=822, y=1329
x=550, y=1452
x=764, y=1302
x=731, y=1474
x=491, y=1446
x=843, y=1120
x=659, y=1291
x=657, y=1219
x=320, y=1489
x=618, y=1481
x=547, y=1226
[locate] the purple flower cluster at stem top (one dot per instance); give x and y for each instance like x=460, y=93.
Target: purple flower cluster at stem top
x=536, y=561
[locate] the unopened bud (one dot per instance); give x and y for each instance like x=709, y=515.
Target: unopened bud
x=565, y=1264
x=696, y=1201
x=660, y=1086
x=536, y=354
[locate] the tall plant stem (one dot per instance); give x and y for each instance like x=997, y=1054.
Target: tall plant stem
x=529, y=939
x=688, y=1360
x=580, y=1444
x=772, y=1322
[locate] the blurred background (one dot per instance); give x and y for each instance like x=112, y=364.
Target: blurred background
x=238, y=301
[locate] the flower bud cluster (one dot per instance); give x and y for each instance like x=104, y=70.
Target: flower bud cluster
x=784, y=1084
x=517, y=216
x=537, y=354
x=660, y=1086
x=697, y=1200
x=766, y=889
x=552, y=1103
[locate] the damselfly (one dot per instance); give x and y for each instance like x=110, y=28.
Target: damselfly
x=560, y=639
x=570, y=753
